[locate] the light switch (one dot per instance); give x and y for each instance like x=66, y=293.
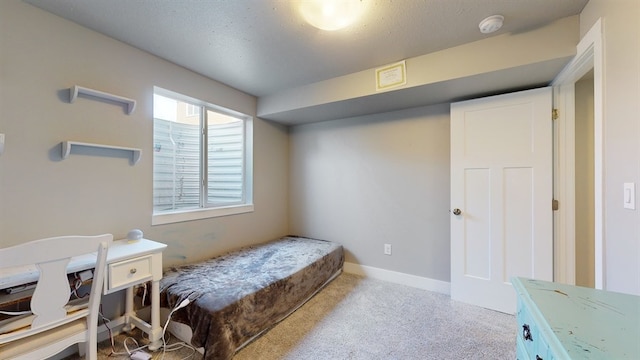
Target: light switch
x=629, y=201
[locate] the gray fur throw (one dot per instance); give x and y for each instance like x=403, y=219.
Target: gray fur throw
x=236, y=296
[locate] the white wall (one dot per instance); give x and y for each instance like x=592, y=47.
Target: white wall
x=373, y=180
x=41, y=195
x=342, y=172
x=621, y=37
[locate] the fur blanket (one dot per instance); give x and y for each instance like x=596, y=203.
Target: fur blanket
x=237, y=296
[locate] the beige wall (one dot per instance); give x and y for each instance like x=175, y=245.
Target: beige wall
x=373, y=180
x=41, y=195
x=584, y=170
x=621, y=37
x=364, y=181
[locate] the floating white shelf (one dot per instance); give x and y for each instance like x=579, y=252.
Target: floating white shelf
x=75, y=90
x=67, y=145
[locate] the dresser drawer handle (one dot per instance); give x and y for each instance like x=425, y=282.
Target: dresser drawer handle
x=539, y=358
x=526, y=332
x=133, y=270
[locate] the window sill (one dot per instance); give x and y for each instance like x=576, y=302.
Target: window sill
x=198, y=214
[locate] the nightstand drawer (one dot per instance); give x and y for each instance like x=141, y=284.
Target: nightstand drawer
x=521, y=351
x=126, y=273
x=530, y=336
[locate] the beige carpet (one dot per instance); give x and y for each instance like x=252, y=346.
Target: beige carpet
x=361, y=318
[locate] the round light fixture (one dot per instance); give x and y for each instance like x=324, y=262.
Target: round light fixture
x=491, y=24
x=331, y=15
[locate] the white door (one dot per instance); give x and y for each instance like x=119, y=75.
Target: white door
x=501, y=186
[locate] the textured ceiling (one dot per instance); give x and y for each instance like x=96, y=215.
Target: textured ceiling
x=264, y=46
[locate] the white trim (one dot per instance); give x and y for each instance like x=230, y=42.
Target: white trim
x=589, y=56
x=206, y=209
x=197, y=214
x=596, y=35
x=419, y=282
x=564, y=184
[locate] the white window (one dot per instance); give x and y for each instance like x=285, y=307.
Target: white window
x=202, y=159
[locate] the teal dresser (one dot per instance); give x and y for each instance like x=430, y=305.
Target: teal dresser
x=557, y=321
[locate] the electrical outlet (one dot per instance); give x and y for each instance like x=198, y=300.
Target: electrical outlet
x=387, y=249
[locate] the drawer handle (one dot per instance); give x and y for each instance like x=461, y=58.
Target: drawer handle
x=539, y=358
x=526, y=332
x=133, y=270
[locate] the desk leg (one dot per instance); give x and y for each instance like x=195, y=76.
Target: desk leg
x=128, y=310
x=156, y=330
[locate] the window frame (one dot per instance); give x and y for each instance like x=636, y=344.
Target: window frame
x=205, y=209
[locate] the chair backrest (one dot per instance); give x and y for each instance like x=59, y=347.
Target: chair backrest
x=52, y=293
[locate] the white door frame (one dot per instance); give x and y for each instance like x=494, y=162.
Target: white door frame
x=589, y=56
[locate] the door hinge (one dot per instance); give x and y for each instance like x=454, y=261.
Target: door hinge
x=554, y=114
x=555, y=205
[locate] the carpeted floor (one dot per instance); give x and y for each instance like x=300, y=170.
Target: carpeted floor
x=361, y=318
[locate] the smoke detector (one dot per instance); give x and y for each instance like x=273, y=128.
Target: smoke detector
x=491, y=24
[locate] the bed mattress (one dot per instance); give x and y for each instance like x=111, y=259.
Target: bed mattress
x=235, y=297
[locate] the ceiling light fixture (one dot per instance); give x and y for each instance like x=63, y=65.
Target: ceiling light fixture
x=331, y=15
x=491, y=24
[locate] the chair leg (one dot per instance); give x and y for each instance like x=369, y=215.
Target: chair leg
x=91, y=347
x=82, y=349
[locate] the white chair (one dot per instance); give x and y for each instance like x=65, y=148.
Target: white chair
x=55, y=323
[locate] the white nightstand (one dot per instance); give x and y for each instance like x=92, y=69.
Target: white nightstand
x=130, y=264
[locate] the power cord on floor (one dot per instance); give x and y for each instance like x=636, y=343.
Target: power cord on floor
x=128, y=352
x=175, y=346
x=137, y=352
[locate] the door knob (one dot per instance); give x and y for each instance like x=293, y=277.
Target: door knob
x=457, y=211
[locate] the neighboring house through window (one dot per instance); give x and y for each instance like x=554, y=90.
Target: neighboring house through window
x=202, y=159
x=193, y=110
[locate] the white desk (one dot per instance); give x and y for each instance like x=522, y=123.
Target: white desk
x=128, y=264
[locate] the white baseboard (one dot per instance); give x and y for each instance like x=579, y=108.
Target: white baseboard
x=115, y=325
x=419, y=282
x=103, y=334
